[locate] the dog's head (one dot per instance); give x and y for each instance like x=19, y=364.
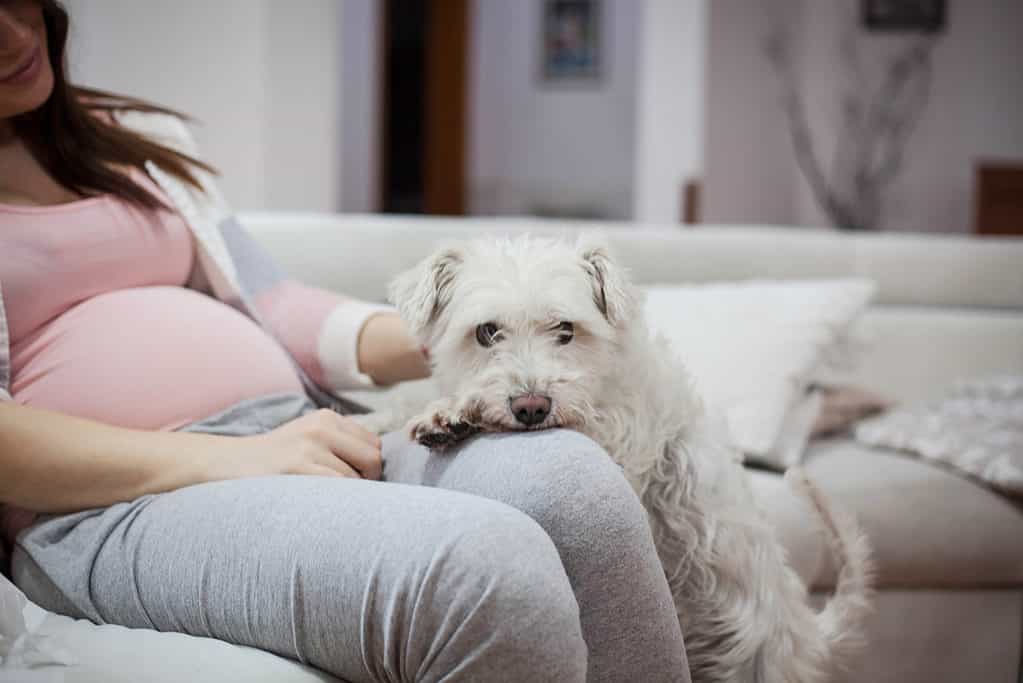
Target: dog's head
x=529, y=328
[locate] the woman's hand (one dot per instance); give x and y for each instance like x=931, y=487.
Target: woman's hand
x=321, y=443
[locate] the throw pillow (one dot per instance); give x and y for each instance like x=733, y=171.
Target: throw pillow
x=753, y=347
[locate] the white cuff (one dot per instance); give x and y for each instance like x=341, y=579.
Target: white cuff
x=338, y=345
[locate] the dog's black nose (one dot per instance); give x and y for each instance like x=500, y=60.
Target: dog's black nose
x=530, y=409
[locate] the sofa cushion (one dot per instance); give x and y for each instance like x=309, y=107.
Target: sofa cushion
x=359, y=254
x=939, y=636
x=929, y=528
x=916, y=353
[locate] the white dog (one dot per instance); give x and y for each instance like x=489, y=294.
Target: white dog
x=530, y=334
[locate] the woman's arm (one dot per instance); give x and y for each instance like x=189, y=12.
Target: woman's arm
x=50, y=462
x=342, y=343
x=388, y=353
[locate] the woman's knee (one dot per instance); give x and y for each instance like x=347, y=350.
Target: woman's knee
x=490, y=599
x=565, y=481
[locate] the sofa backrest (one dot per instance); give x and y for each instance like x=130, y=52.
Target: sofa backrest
x=947, y=307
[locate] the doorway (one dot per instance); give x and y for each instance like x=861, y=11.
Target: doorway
x=423, y=141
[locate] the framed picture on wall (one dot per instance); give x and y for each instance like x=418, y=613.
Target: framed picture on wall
x=571, y=50
x=904, y=15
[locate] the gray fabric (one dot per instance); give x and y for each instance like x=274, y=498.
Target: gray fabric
x=579, y=496
x=376, y=581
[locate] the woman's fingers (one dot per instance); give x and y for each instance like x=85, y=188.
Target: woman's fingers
x=355, y=452
x=327, y=460
x=331, y=419
x=339, y=443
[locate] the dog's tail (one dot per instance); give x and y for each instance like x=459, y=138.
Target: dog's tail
x=841, y=622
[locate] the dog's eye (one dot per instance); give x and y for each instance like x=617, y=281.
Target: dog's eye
x=486, y=334
x=565, y=333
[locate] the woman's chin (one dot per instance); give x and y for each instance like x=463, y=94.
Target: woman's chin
x=23, y=98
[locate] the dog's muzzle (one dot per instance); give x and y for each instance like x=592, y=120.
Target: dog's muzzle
x=530, y=409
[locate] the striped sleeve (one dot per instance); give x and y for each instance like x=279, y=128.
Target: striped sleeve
x=320, y=329
x=5, y=353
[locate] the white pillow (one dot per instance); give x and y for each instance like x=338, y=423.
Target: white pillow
x=752, y=348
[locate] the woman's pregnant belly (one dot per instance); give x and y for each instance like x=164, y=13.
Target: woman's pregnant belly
x=148, y=358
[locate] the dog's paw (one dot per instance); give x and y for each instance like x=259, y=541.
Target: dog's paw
x=442, y=426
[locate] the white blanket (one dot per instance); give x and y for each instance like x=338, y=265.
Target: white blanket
x=977, y=429
x=26, y=655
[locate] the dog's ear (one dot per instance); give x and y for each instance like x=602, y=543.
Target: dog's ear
x=613, y=292
x=422, y=292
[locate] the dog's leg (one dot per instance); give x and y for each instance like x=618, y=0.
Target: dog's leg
x=685, y=541
x=394, y=406
x=445, y=422
x=379, y=422
x=744, y=612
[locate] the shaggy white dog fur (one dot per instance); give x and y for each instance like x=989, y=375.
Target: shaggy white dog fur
x=531, y=334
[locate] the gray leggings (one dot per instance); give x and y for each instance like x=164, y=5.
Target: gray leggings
x=435, y=575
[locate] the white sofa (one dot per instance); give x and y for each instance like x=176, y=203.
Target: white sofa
x=950, y=553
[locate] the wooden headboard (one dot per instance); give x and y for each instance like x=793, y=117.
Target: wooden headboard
x=999, y=199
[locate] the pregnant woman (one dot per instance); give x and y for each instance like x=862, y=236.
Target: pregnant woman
x=173, y=453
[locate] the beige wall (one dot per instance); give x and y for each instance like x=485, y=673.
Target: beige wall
x=671, y=89
x=261, y=76
x=532, y=145
x=361, y=71
x=975, y=112
x=749, y=167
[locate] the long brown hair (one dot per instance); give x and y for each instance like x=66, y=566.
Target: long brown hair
x=87, y=153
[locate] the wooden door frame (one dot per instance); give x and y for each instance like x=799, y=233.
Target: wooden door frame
x=445, y=102
x=998, y=198
x=447, y=46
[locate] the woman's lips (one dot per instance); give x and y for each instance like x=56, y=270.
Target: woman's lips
x=25, y=71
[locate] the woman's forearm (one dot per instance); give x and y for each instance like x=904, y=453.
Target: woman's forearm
x=388, y=353
x=50, y=462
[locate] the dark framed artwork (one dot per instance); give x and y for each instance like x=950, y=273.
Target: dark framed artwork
x=927, y=16
x=571, y=50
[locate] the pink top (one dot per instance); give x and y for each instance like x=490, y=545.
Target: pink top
x=101, y=325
